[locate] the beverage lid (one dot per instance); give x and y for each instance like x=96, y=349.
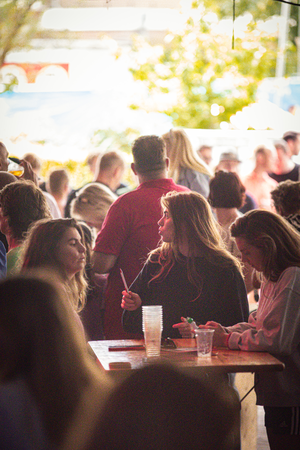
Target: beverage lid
x=203, y=330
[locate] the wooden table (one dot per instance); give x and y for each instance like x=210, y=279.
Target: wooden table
x=119, y=364
x=185, y=356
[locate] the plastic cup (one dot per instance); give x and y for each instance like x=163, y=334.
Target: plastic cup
x=204, y=339
x=152, y=328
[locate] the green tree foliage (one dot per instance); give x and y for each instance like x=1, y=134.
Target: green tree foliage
x=196, y=77
x=110, y=140
x=78, y=171
x=18, y=24
x=259, y=9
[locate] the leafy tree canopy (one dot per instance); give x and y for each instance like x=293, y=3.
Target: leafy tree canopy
x=18, y=24
x=196, y=76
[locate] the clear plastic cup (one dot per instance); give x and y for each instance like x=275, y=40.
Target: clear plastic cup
x=14, y=167
x=152, y=328
x=204, y=339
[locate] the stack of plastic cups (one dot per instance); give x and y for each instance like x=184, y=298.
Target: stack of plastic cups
x=152, y=328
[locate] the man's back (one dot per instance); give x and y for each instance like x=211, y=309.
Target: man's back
x=130, y=231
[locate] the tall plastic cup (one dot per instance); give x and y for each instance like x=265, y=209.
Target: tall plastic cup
x=204, y=339
x=152, y=328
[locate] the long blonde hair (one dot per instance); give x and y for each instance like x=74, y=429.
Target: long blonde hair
x=181, y=154
x=192, y=217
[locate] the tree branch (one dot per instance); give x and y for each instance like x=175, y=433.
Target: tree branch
x=19, y=21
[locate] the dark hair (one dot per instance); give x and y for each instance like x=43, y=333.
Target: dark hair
x=274, y=236
x=149, y=154
x=159, y=407
x=88, y=240
x=291, y=135
x=226, y=190
x=23, y=203
x=43, y=346
x=286, y=197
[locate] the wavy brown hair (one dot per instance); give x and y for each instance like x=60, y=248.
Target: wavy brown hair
x=192, y=217
x=40, y=251
x=274, y=236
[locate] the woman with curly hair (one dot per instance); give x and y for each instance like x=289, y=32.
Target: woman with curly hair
x=190, y=274
x=286, y=199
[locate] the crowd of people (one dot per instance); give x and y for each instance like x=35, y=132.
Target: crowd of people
x=192, y=239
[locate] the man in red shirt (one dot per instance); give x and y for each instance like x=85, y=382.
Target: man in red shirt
x=130, y=228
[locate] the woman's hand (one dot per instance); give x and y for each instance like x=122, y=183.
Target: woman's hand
x=130, y=301
x=184, y=328
x=220, y=334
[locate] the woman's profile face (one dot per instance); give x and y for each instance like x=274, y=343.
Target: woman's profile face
x=250, y=254
x=166, y=227
x=71, y=252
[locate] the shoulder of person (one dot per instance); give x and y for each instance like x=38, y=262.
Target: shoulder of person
x=290, y=278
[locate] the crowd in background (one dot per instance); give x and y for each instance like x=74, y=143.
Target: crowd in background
x=193, y=237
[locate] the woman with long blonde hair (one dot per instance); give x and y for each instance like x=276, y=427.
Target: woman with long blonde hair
x=186, y=168
x=190, y=274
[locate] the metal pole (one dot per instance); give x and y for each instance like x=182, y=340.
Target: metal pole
x=283, y=32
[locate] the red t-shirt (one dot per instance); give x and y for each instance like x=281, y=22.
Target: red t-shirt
x=130, y=231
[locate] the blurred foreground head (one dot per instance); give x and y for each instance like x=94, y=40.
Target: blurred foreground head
x=161, y=408
x=40, y=345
